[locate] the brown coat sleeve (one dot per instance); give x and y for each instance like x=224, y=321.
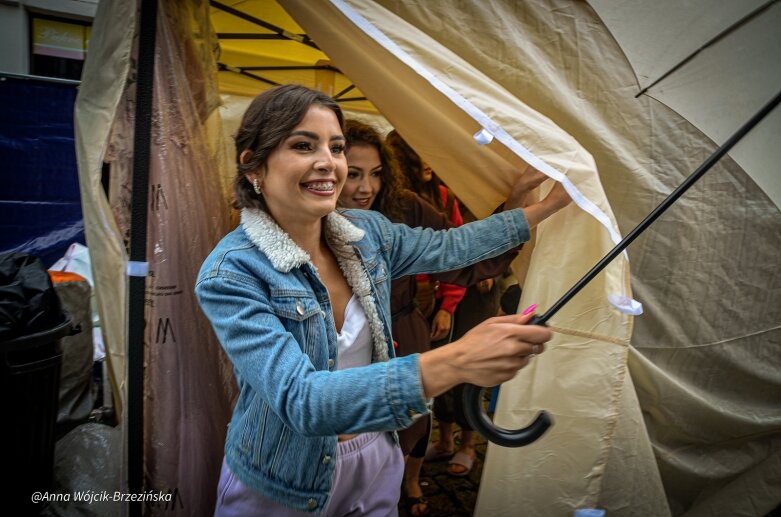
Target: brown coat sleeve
x=419, y=212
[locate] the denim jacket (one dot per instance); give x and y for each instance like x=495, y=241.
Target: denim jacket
x=273, y=317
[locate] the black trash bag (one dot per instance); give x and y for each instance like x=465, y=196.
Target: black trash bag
x=28, y=302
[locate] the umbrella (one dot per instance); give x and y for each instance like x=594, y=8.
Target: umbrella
x=473, y=395
x=715, y=63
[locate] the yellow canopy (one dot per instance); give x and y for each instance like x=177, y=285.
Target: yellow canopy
x=261, y=45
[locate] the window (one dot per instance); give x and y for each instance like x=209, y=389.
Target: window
x=58, y=46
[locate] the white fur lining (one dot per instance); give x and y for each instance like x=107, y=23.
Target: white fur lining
x=284, y=255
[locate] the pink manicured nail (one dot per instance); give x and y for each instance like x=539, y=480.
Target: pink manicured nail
x=529, y=309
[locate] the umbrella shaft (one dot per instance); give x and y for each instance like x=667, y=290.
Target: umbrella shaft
x=664, y=205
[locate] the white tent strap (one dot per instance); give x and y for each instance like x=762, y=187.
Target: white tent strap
x=137, y=268
x=481, y=118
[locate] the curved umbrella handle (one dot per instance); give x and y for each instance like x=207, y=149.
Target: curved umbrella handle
x=478, y=419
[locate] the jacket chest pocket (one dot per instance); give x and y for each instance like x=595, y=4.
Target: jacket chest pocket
x=377, y=270
x=380, y=279
x=303, y=317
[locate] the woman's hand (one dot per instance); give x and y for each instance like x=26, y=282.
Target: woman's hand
x=440, y=325
x=556, y=199
x=489, y=354
x=529, y=180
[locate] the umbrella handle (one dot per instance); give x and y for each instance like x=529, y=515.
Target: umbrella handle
x=478, y=419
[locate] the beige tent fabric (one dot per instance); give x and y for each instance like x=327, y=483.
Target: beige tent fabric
x=580, y=380
x=706, y=272
x=625, y=487
x=429, y=120
x=105, y=75
x=188, y=385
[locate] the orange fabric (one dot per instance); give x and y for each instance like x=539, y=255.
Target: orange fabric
x=59, y=277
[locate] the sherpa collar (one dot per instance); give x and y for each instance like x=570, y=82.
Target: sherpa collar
x=284, y=255
x=280, y=249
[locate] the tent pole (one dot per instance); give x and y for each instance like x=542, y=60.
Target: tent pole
x=138, y=240
x=473, y=395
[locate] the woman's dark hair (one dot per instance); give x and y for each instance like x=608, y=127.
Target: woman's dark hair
x=390, y=199
x=411, y=166
x=268, y=121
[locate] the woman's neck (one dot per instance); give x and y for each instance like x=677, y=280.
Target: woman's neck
x=309, y=238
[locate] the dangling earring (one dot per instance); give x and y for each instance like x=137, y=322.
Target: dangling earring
x=258, y=191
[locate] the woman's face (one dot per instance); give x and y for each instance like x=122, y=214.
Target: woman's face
x=303, y=176
x=426, y=173
x=364, y=177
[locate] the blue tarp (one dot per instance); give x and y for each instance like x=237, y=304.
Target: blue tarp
x=40, y=206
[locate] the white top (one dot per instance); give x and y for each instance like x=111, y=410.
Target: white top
x=354, y=342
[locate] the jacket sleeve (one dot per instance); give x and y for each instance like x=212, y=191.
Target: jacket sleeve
x=410, y=251
x=379, y=397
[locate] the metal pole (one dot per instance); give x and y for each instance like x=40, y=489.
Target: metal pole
x=137, y=284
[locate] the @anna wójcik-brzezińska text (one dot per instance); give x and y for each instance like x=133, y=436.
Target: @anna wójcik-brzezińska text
x=92, y=496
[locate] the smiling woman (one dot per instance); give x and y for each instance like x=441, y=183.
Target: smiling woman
x=364, y=178
x=310, y=169
x=299, y=297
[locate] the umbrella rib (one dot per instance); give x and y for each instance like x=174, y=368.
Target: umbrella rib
x=710, y=42
x=301, y=38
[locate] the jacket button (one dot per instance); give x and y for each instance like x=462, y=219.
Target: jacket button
x=312, y=504
x=299, y=307
x=326, y=460
x=330, y=363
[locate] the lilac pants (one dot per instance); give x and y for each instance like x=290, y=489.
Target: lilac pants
x=367, y=482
